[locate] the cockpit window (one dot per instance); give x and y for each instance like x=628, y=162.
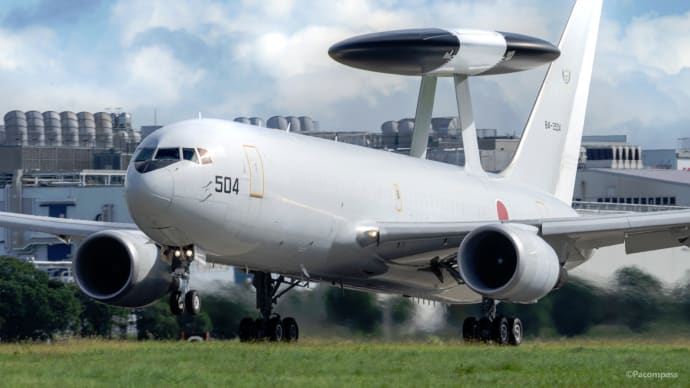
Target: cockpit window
x=145, y=154
x=145, y=160
x=189, y=154
x=168, y=154
x=205, y=156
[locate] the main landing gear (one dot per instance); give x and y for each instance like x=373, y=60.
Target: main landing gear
x=491, y=327
x=270, y=326
x=182, y=299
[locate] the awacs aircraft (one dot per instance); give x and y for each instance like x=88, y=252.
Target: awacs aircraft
x=294, y=209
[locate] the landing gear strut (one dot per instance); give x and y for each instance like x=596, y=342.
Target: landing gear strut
x=492, y=327
x=270, y=326
x=181, y=297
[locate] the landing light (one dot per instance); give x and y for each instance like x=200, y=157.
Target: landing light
x=189, y=253
x=178, y=253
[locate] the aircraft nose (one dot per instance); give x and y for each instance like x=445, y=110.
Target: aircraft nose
x=149, y=195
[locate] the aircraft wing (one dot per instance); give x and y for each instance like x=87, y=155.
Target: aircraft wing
x=64, y=228
x=639, y=232
x=414, y=243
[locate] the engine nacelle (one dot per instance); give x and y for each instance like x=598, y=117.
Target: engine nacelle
x=122, y=268
x=508, y=262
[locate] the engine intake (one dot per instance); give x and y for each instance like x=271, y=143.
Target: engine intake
x=121, y=268
x=508, y=262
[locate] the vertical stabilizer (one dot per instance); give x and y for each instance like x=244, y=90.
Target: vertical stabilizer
x=548, y=153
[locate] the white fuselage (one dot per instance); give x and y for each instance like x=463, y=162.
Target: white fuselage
x=288, y=203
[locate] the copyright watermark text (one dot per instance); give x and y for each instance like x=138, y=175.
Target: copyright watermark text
x=638, y=374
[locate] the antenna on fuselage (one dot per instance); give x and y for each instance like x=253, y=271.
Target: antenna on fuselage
x=432, y=53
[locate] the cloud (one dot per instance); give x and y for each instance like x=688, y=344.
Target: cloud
x=21, y=49
x=154, y=73
x=48, y=13
x=263, y=58
x=36, y=75
x=660, y=43
x=134, y=17
x=640, y=77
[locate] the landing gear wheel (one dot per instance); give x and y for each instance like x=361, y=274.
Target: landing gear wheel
x=192, y=302
x=500, y=330
x=515, y=334
x=259, y=332
x=469, y=329
x=484, y=330
x=246, y=331
x=176, y=302
x=290, y=330
x=275, y=329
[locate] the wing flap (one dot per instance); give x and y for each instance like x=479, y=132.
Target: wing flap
x=640, y=232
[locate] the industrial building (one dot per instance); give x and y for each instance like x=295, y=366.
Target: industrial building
x=88, y=195
x=66, y=141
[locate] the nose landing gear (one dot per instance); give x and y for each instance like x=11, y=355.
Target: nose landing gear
x=491, y=327
x=270, y=326
x=182, y=299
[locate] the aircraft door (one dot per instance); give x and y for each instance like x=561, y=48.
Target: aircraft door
x=256, y=171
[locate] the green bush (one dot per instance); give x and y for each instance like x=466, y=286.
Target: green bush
x=360, y=311
x=576, y=307
x=637, y=298
x=33, y=307
x=156, y=322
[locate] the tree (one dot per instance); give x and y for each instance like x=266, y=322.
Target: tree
x=534, y=316
x=402, y=310
x=226, y=308
x=685, y=301
x=195, y=324
x=32, y=306
x=96, y=317
x=156, y=322
x=638, y=295
x=357, y=310
x=576, y=307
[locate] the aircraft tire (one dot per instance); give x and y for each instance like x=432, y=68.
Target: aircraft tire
x=470, y=329
x=259, y=329
x=176, y=302
x=500, y=330
x=484, y=329
x=275, y=329
x=193, y=302
x=516, y=331
x=290, y=330
x=246, y=330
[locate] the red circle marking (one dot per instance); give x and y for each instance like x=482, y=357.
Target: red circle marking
x=501, y=211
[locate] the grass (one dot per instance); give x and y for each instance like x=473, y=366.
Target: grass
x=320, y=363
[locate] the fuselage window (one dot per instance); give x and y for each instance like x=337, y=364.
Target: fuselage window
x=189, y=154
x=205, y=156
x=145, y=154
x=168, y=154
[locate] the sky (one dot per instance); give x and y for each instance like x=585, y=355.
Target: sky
x=270, y=57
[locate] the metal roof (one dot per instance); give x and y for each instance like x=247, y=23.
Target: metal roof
x=668, y=176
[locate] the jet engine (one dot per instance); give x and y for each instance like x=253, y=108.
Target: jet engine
x=122, y=268
x=508, y=262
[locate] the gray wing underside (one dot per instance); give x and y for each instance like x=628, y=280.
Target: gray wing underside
x=64, y=228
x=416, y=243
